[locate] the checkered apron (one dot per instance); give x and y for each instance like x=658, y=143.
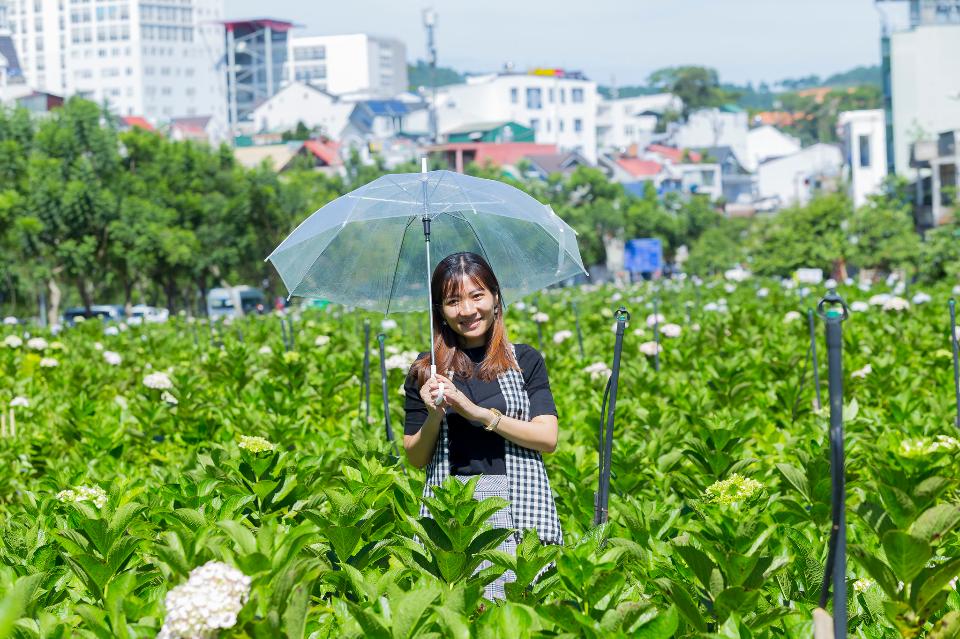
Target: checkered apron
x=531, y=501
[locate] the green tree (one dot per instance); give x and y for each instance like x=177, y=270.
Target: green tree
x=882, y=235
x=697, y=87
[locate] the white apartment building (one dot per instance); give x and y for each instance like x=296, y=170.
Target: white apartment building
x=363, y=65
x=766, y=143
x=160, y=59
x=560, y=108
x=924, y=62
x=299, y=102
x=793, y=180
x=711, y=128
x=865, y=151
x=622, y=122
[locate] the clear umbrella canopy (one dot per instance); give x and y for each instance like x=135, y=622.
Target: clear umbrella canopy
x=366, y=248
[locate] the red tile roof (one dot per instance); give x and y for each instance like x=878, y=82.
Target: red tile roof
x=498, y=153
x=137, y=121
x=640, y=168
x=326, y=151
x=673, y=154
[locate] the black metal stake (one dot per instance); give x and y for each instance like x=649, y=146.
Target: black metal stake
x=603, y=490
x=283, y=335
x=293, y=343
x=576, y=319
x=956, y=362
x=836, y=567
x=813, y=353
x=386, y=400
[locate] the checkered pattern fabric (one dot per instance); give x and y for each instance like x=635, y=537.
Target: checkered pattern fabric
x=496, y=486
x=531, y=499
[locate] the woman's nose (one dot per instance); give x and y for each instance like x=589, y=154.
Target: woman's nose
x=467, y=308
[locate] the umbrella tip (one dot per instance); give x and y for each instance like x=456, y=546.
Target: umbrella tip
x=423, y=164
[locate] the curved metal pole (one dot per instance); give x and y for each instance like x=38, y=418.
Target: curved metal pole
x=426, y=237
x=603, y=494
x=386, y=399
x=956, y=361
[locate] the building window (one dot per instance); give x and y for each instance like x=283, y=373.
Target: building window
x=560, y=126
x=863, y=141
x=535, y=125
x=547, y=124
x=533, y=98
x=514, y=95
x=577, y=125
x=563, y=96
x=576, y=95
x=550, y=95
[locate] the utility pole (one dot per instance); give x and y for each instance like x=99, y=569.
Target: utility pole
x=430, y=23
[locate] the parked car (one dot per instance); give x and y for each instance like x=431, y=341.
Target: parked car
x=235, y=301
x=150, y=314
x=104, y=312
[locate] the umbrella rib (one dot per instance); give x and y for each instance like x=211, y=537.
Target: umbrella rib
x=474, y=231
x=400, y=186
x=396, y=266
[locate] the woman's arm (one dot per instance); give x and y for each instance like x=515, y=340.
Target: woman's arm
x=419, y=446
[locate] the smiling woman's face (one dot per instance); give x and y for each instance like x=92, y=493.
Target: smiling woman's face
x=470, y=312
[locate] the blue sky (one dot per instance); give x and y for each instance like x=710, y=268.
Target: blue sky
x=755, y=40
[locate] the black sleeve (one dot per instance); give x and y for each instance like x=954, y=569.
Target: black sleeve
x=416, y=410
x=537, y=382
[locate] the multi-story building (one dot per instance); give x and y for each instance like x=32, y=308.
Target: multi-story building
x=921, y=67
x=626, y=122
x=865, y=152
x=256, y=55
x=560, y=107
x=160, y=59
x=359, y=64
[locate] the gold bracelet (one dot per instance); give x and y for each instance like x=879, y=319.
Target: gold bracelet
x=492, y=426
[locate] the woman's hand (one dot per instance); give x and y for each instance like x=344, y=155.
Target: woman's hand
x=429, y=392
x=455, y=399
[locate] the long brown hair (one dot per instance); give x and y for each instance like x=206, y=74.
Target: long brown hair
x=447, y=279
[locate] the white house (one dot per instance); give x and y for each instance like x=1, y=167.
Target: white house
x=299, y=102
x=622, y=122
x=561, y=107
x=363, y=65
x=711, y=128
x=865, y=151
x=792, y=180
x=768, y=142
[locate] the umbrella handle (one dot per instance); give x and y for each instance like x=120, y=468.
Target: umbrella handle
x=439, y=399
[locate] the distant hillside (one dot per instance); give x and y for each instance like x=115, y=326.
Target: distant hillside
x=419, y=75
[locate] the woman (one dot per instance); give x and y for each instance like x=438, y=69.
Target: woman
x=497, y=415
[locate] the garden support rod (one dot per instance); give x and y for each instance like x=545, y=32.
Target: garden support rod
x=386, y=400
x=956, y=363
x=606, y=433
x=836, y=567
x=576, y=319
x=366, y=369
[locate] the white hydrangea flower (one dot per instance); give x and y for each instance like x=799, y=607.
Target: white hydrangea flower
x=862, y=584
x=657, y=318
x=791, y=316
x=880, y=299
x=255, y=444
x=9, y=320
x=541, y=318
x=403, y=360
x=830, y=284
x=650, y=348
x=921, y=298
x=323, y=340
x=520, y=306
x=695, y=327
x=121, y=401
x=862, y=372
x=209, y=600
x=561, y=336
x=19, y=401
x=97, y=346
x=730, y=288
x=391, y=349
x=79, y=319
x=598, y=370
x=37, y=344
x=49, y=362
x=169, y=398
x=734, y=489
x=388, y=324
x=956, y=289
x=737, y=274
x=93, y=494
x=158, y=381
x=763, y=292
x=12, y=341
x=113, y=330
x=896, y=304
x=859, y=306
x=670, y=330
x=112, y=358
x=711, y=307
x=864, y=286
x=265, y=350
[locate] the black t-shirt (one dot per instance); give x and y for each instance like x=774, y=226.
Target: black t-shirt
x=473, y=450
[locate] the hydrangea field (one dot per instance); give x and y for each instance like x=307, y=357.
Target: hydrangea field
x=178, y=480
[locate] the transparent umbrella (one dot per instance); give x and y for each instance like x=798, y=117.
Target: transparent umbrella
x=371, y=248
